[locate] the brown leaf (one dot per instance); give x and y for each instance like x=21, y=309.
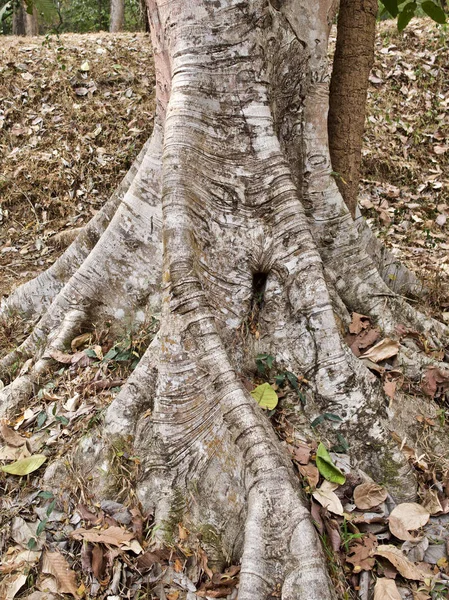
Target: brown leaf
x=115, y=536
x=80, y=340
x=387, y=348
x=406, y=568
x=406, y=517
x=11, y=437
x=87, y=515
x=333, y=533
x=390, y=387
x=360, y=551
x=363, y=340
x=147, y=560
x=55, y=564
x=315, y=511
x=431, y=502
x=435, y=382
x=300, y=453
x=311, y=473
x=358, y=323
x=368, y=495
x=65, y=358
x=386, y=589
x=98, y=564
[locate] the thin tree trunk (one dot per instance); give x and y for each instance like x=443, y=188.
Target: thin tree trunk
x=353, y=60
x=117, y=20
x=31, y=22
x=230, y=204
x=18, y=19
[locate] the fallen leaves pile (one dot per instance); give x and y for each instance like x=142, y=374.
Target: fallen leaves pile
x=405, y=190
x=74, y=112
x=375, y=547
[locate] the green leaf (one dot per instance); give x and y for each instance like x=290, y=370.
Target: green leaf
x=280, y=379
x=391, y=6
x=63, y=420
x=317, y=421
x=50, y=508
x=46, y=495
x=265, y=396
x=332, y=417
x=31, y=543
x=326, y=467
x=110, y=355
x=41, y=418
x=41, y=527
x=25, y=466
x=406, y=15
x=90, y=353
x=292, y=379
x=434, y=11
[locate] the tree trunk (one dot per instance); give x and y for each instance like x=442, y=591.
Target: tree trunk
x=230, y=206
x=24, y=23
x=18, y=19
x=31, y=23
x=117, y=19
x=353, y=60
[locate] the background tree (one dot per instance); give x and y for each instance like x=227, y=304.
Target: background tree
x=117, y=19
x=230, y=226
x=353, y=59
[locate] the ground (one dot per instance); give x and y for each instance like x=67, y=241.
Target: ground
x=76, y=110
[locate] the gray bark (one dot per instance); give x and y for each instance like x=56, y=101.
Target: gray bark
x=117, y=18
x=234, y=185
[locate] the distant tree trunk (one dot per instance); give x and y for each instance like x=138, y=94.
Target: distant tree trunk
x=24, y=23
x=144, y=16
x=31, y=23
x=18, y=20
x=353, y=60
x=117, y=15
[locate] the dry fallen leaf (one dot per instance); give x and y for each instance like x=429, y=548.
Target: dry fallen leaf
x=11, y=584
x=358, y=323
x=369, y=495
x=115, y=536
x=386, y=589
x=360, y=553
x=326, y=497
x=55, y=564
x=311, y=473
x=435, y=381
x=11, y=437
x=386, y=348
x=406, y=568
x=406, y=517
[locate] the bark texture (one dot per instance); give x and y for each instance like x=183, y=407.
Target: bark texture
x=24, y=23
x=353, y=60
x=230, y=203
x=117, y=18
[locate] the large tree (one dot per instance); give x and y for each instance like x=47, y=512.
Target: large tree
x=231, y=225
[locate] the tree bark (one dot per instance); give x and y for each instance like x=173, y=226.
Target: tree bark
x=31, y=23
x=23, y=22
x=230, y=204
x=18, y=19
x=117, y=19
x=353, y=60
